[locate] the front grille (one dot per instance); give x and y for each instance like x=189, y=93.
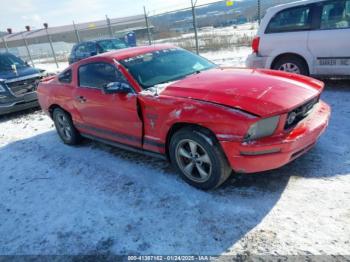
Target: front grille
x=300, y=113
x=24, y=86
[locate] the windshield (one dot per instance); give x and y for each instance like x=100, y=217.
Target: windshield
x=165, y=65
x=8, y=61
x=111, y=44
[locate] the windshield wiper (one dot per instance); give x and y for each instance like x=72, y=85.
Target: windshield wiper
x=182, y=76
x=171, y=80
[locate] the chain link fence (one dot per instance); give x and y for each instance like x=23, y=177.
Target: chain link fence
x=204, y=27
x=201, y=27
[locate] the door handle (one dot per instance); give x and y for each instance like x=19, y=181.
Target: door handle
x=80, y=99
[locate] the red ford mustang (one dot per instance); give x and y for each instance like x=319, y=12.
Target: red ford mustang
x=168, y=102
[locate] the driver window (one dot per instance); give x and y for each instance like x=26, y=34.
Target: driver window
x=97, y=75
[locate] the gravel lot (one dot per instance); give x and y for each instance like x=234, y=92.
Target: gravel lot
x=93, y=199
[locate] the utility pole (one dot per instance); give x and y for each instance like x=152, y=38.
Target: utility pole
x=147, y=25
x=193, y=6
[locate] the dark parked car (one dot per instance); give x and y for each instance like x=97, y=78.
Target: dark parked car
x=91, y=48
x=18, y=83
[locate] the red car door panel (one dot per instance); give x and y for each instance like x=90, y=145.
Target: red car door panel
x=110, y=116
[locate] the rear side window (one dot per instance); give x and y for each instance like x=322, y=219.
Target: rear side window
x=91, y=48
x=291, y=19
x=65, y=77
x=96, y=75
x=335, y=15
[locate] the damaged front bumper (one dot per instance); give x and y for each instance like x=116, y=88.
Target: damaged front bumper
x=14, y=104
x=272, y=153
x=18, y=94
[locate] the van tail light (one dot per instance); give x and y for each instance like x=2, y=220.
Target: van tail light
x=255, y=44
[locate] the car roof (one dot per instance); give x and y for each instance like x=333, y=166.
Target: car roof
x=292, y=4
x=96, y=40
x=121, y=54
x=93, y=41
x=7, y=54
x=125, y=53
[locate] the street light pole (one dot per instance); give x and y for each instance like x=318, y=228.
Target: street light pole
x=147, y=25
x=26, y=45
x=50, y=41
x=109, y=27
x=5, y=44
x=76, y=33
x=259, y=12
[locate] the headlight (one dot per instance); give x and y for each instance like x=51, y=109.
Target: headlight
x=2, y=88
x=262, y=128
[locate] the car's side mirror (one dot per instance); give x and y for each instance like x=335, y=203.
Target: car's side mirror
x=117, y=87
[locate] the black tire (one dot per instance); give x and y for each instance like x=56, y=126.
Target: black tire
x=295, y=62
x=218, y=169
x=65, y=128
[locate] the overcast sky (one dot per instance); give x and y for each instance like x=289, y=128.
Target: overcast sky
x=16, y=14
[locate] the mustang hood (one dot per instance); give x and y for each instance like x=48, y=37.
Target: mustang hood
x=258, y=91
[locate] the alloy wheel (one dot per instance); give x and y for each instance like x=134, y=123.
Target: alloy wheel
x=290, y=68
x=64, y=126
x=193, y=160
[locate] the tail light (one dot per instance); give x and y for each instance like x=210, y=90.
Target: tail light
x=255, y=44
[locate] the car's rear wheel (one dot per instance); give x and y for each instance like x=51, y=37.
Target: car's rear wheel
x=291, y=64
x=65, y=128
x=198, y=158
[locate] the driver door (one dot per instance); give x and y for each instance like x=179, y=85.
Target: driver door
x=109, y=116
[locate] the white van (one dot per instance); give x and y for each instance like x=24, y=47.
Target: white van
x=306, y=37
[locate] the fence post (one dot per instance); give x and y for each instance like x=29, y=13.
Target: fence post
x=26, y=44
x=147, y=25
x=259, y=14
x=193, y=6
x=109, y=27
x=76, y=33
x=7, y=48
x=51, y=45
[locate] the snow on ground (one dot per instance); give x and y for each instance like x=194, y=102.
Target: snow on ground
x=93, y=199
x=233, y=57
x=243, y=30
x=52, y=67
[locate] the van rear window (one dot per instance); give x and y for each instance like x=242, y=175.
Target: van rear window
x=291, y=19
x=335, y=15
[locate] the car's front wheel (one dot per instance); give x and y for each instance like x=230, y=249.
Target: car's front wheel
x=198, y=158
x=65, y=128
